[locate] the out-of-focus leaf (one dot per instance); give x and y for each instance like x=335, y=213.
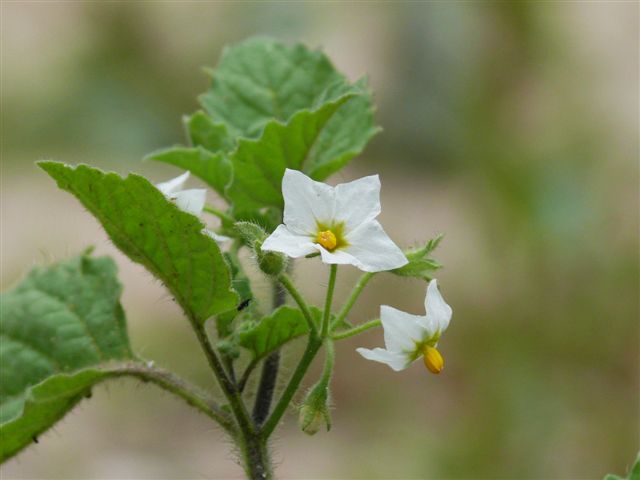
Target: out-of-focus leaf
x=282, y=326
x=58, y=320
x=152, y=231
x=213, y=168
x=634, y=472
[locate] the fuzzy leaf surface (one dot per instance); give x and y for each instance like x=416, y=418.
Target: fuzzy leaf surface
x=273, y=331
x=58, y=320
x=152, y=231
x=204, y=132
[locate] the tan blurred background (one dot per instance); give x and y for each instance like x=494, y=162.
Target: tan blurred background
x=510, y=126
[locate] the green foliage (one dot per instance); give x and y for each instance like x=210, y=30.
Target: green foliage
x=152, y=231
x=213, y=168
x=420, y=264
x=305, y=143
x=57, y=321
x=634, y=472
x=204, y=132
x=272, y=332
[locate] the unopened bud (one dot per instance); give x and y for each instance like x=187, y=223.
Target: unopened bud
x=314, y=411
x=271, y=263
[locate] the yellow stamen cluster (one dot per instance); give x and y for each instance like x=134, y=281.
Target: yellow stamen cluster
x=432, y=359
x=327, y=239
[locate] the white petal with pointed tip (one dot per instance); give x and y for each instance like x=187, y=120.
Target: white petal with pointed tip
x=402, y=331
x=395, y=360
x=358, y=202
x=306, y=202
x=284, y=241
x=438, y=311
x=372, y=248
x=174, y=185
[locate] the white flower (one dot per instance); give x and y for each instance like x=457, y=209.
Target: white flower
x=339, y=222
x=191, y=201
x=407, y=336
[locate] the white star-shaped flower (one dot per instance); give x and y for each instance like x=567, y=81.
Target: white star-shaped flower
x=407, y=336
x=339, y=222
x=191, y=201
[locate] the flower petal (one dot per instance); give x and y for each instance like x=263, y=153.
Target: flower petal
x=172, y=186
x=215, y=236
x=358, y=202
x=291, y=244
x=402, y=330
x=191, y=201
x=306, y=202
x=372, y=248
x=438, y=312
x=340, y=257
x=395, y=360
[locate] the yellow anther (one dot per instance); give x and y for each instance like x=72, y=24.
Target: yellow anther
x=432, y=359
x=327, y=239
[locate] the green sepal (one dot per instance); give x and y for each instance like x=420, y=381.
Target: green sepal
x=59, y=320
x=272, y=332
x=152, y=231
x=250, y=232
x=420, y=264
x=315, y=409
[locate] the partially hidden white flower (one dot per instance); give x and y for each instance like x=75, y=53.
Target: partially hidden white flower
x=408, y=337
x=339, y=222
x=191, y=200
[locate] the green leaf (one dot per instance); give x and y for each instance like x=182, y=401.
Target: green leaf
x=204, y=132
x=58, y=320
x=634, y=472
x=302, y=144
x=282, y=326
x=420, y=265
x=262, y=79
x=213, y=168
x=152, y=231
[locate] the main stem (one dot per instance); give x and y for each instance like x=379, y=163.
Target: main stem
x=270, y=368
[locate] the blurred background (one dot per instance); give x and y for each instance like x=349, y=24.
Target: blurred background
x=510, y=126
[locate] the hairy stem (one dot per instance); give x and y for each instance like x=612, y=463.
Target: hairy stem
x=286, y=282
x=355, y=293
x=269, y=373
x=356, y=330
x=313, y=346
x=174, y=384
x=219, y=213
x=329, y=300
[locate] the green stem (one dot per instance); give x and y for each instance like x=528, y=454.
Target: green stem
x=219, y=213
x=355, y=293
x=286, y=282
x=281, y=407
x=356, y=330
x=228, y=387
x=174, y=384
x=245, y=376
x=329, y=300
x=328, y=362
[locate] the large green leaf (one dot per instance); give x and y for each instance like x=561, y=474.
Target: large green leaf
x=307, y=143
x=282, y=326
x=213, y=168
x=262, y=79
x=60, y=319
x=152, y=231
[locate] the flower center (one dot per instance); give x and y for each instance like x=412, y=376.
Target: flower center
x=432, y=359
x=327, y=239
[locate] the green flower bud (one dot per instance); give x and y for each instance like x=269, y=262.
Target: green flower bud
x=271, y=263
x=250, y=233
x=314, y=411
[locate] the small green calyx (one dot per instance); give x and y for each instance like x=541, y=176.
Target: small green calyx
x=250, y=233
x=314, y=411
x=271, y=263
